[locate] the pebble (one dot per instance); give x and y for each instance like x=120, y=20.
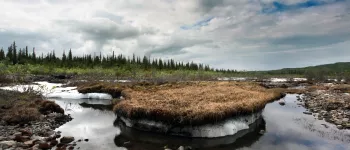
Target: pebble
x=67, y=139
x=7, y=144
x=181, y=148
x=34, y=135
x=307, y=113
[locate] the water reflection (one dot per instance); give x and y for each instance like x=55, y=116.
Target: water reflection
x=89, y=122
x=286, y=128
x=147, y=140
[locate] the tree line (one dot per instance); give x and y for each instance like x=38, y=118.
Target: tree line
x=24, y=56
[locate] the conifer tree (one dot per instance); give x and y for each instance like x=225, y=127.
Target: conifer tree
x=14, y=55
x=2, y=54
x=70, y=56
x=9, y=53
x=33, y=55
x=27, y=52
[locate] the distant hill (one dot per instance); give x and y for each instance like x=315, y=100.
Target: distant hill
x=339, y=68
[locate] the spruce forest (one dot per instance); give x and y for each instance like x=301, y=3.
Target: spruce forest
x=24, y=56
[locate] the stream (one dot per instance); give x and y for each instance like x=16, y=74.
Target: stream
x=286, y=128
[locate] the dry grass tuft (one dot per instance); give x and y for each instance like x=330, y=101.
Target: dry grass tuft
x=47, y=107
x=21, y=108
x=112, y=89
x=194, y=103
x=21, y=115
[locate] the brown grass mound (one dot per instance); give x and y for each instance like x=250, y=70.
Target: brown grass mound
x=194, y=103
x=21, y=108
x=47, y=107
x=111, y=89
x=21, y=115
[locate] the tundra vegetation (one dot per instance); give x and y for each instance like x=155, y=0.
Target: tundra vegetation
x=23, y=107
x=183, y=103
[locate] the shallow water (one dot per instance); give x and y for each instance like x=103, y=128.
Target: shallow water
x=286, y=128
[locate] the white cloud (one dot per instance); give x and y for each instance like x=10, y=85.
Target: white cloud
x=240, y=35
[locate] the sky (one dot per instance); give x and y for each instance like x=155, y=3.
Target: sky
x=231, y=34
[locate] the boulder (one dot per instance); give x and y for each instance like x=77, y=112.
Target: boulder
x=44, y=145
x=53, y=142
x=7, y=144
x=307, y=113
x=67, y=139
x=282, y=103
x=30, y=143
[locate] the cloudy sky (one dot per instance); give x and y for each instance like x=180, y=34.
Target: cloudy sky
x=234, y=34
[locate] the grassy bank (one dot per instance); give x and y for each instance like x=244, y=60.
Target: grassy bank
x=21, y=108
x=183, y=103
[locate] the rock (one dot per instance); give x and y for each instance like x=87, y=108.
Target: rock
x=70, y=147
x=12, y=137
x=345, y=120
x=347, y=126
x=338, y=122
x=307, y=113
x=19, y=138
x=30, y=143
x=25, y=132
x=18, y=134
x=339, y=126
x=7, y=144
x=282, y=103
x=36, y=147
x=61, y=145
x=86, y=140
x=79, y=140
x=21, y=145
x=39, y=138
x=53, y=142
x=188, y=148
x=67, y=139
x=181, y=148
x=44, y=145
x=2, y=138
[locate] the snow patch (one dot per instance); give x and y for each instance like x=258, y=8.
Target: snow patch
x=221, y=129
x=232, y=79
x=278, y=80
x=54, y=90
x=299, y=79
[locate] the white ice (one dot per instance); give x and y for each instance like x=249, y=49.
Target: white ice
x=55, y=90
x=225, y=128
x=278, y=80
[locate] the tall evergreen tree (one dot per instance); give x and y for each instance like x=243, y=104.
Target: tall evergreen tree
x=2, y=54
x=27, y=52
x=33, y=55
x=14, y=55
x=9, y=53
x=70, y=56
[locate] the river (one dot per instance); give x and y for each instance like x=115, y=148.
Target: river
x=287, y=128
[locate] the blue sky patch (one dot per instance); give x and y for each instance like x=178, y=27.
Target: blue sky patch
x=281, y=7
x=198, y=24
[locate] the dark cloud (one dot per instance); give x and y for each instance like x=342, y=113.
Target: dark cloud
x=176, y=46
x=208, y=5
